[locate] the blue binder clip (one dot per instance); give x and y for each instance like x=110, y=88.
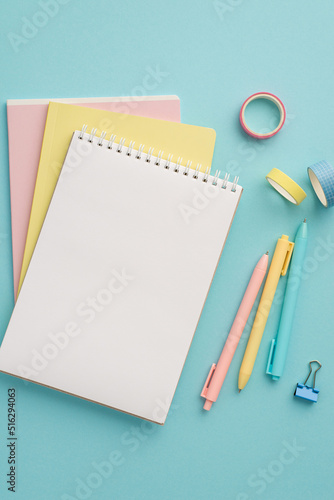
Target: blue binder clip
x=305, y=391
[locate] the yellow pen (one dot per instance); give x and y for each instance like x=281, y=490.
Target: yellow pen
x=278, y=267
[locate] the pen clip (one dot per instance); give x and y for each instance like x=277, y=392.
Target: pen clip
x=208, y=380
x=269, y=370
x=287, y=258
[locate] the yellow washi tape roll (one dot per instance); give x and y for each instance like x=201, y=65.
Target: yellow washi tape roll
x=286, y=186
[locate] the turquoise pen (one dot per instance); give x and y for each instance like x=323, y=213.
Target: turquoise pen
x=279, y=346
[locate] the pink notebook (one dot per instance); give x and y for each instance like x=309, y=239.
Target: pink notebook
x=26, y=122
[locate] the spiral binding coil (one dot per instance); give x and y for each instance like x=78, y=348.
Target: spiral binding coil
x=176, y=167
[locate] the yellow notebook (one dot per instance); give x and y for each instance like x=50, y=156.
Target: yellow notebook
x=191, y=142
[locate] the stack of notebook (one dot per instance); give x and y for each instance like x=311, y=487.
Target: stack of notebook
x=118, y=224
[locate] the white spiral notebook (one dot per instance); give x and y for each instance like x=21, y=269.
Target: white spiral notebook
x=119, y=276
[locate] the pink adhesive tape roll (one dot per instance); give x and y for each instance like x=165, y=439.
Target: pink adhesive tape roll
x=270, y=97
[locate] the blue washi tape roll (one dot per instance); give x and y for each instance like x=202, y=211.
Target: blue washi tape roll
x=321, y=175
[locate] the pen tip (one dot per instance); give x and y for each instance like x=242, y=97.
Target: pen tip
x=239, y=391
x=267, y=253
x=305, y=219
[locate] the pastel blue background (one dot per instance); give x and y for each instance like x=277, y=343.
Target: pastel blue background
x=212, y=62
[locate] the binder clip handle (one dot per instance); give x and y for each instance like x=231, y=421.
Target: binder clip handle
x=308, y=376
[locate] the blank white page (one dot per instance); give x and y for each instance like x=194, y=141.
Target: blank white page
x=118, y=279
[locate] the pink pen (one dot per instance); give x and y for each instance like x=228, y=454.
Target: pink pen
x=217, y=374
